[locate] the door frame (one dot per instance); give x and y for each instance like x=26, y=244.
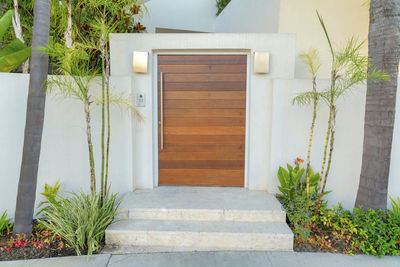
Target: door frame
x=155, y=104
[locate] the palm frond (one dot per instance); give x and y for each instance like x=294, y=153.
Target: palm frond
x=312, y=60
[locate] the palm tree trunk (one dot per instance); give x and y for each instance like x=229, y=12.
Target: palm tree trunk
x=384, y=52
x=68, y=31
x=311, y=136
x=16, y=22
x=107, y=84
x=90, y=147
x=103, y=59
x=321, y=194
x=34, y=120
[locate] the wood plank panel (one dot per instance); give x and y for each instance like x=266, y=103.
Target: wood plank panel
x=202, y=164
x=201, y=77
x=206, y=59
x=218, y=103
x=207, y=68
x=201, y=156
x=206, y=130
x=203, y=139
x=194, y=113
x=223, y=95
x=204, y=100
x=205, y=86
x=204, y=148
x=204, y=121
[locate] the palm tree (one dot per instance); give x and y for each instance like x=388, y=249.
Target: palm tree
x=384, y=52
x=34, y=120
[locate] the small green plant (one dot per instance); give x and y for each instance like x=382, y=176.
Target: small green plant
x=82, y=219
x=5, y=224
x=292, y=182
x=395, y=205
x=221, y=4
x=52, y=197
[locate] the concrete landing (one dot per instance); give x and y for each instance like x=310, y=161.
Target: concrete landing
x=169, y=219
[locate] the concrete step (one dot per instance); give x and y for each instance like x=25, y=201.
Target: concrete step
x=201, y=204
x=201, y=235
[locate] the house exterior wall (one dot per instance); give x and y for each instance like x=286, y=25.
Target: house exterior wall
x=64, y=152
x=282, y=48
x=193, y=15
x=241, y=16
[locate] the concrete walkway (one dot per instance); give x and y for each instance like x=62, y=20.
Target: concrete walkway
x=220, y=259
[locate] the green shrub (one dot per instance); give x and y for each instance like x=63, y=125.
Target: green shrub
x=221, y=4
x=5, y=224
x=378, y=232
x=82, y=219
x=51, y=193
x=292, y=182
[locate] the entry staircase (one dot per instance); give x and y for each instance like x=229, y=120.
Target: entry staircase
x=170, y=219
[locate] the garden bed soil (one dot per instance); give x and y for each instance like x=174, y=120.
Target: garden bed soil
x=41, y=244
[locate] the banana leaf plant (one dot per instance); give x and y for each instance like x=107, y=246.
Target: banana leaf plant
x=15, y=53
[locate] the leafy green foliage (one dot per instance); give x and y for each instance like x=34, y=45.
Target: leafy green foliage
x=221, y=4
x=51, y=193
x=15, y=53
x=292, y=183
x=82, y=220
x=5, y=223
x=395, y=205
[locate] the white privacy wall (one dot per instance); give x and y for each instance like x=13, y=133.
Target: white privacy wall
x=244, y=16
x=192, y=15
x=64, y=152
x=290, y=133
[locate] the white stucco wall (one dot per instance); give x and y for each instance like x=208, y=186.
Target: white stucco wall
x=343, y=19
x=244, y=16
x=281, y=47
x=64, y=152
x=193, y=15
x=290, y=132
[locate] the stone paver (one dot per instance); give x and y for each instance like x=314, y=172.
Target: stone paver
x=220, y=259
x=100, y=260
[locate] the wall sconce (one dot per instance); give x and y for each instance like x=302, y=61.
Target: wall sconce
x=261, y=62
x=140, y=62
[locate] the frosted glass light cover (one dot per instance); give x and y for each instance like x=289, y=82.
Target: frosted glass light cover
x=140, y=60
x=261, y=62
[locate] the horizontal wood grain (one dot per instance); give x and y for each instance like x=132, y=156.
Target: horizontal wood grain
x=201, y=156
x=205, y=68
x=202, y=177
x=204, y=121
x=201, y=112
x=204, y=77
x=204, y=139
x=204, y=115
x=228, y=148
x=205, y=130
x=202, y=164
x=206, y=59
x=199, y=103
x=209, y=95
x=204, y=86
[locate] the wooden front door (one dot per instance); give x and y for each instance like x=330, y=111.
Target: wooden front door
x=202, y=119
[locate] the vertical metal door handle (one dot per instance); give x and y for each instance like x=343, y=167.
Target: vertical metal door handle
x=161, y=112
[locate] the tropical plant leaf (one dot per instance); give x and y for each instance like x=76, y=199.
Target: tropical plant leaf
x=5, y=23
x=10, y=61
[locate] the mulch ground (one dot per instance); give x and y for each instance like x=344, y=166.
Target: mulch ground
x=41, y=244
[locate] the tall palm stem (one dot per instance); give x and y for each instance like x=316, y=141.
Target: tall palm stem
x=311, y=135
x=90, y=146
x=34, y=120
x=16, y=22
x=107, y=84
x=333, y=108
x=102, y=48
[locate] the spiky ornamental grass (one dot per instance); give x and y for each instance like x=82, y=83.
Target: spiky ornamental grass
x=82, y=219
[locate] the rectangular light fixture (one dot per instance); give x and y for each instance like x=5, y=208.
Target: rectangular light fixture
x=261, y=62
x=140, y=62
